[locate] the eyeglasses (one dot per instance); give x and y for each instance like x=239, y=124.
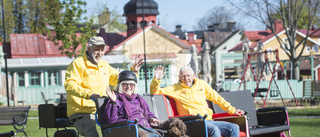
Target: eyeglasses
x=126, y=84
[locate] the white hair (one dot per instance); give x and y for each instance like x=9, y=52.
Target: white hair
x=185, y=68
x=119, y=87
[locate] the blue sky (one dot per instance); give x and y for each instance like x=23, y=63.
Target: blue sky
x=172, y=12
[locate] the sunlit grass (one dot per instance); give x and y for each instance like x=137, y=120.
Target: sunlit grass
x=299, y=126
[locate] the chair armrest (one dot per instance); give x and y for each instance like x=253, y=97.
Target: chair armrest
x=216, y=115
x=20, y=119
x=117, y=124
x=272, y=116
x=191, y=117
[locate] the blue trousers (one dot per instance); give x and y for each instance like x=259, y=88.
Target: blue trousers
x=218, y=128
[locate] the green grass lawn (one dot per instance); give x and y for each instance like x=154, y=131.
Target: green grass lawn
x=32, y=128
x=300, y=127
x=304, y=112
x=304, y=127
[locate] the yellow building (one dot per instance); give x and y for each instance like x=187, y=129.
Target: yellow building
x=144, y=37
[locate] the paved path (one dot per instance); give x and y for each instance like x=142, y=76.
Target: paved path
x=305, y=117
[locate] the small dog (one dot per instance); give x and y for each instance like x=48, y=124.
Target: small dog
x=175, y=127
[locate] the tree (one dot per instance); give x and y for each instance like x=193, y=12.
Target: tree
x=216, y=15
x=111, y=20
x=290, y=13
x=19, y=17
x=8, y=20
x=117, y=21
x=34, y=15
x=27, y=16
x=67, y=24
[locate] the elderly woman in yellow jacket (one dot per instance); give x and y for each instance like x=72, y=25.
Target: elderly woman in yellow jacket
x=190, y=95
x=87, y=78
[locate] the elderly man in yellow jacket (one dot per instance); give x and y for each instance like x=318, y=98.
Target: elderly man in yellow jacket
x=190, y=95
x=87, y=78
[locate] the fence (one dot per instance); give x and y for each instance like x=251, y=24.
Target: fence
x=300, y=89
x=274, y=93
x=311, y=88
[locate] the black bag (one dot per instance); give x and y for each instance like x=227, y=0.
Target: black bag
x=66, y=133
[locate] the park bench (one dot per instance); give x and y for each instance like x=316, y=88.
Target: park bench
x=16, y=116
x=51, y=116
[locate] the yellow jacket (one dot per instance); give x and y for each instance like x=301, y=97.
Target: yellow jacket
x=83, y=79
x=192, y=100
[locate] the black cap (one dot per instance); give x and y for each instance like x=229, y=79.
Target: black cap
x=127, y=75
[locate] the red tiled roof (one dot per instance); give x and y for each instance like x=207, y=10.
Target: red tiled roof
x=304, y=31
x=237, y=47
x=121, y=42
x=257, y=36
x=253, y=45
x=185, y=42
x=32, y=45
x=113, y=39
x=35, y=45
x=197, y=43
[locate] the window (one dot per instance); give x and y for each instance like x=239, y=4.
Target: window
x=285, y=44
x=308, y=49
x=35, y=78
x=20, y=79
x=143, y=24
x=150, y=71
x=132, y=25
x=53, y=77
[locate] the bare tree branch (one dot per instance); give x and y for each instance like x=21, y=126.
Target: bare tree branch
x=293, y=15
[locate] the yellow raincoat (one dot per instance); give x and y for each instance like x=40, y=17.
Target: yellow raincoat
x=83, y=79
x=192, y=100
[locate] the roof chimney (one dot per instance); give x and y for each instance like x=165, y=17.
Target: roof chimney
x=216, y=27
x=191, y=38
x=178, y=28
x=231, y=26
x=104, y=18
x=278, y=25
x=210, y=27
